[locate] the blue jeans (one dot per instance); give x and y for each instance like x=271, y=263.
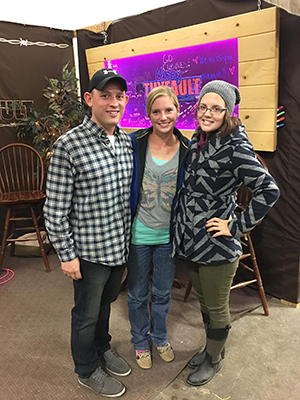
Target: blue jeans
x=149, y=293
x=93, y=295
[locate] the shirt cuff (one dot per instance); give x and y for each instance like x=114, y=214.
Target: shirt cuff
x=67, y=255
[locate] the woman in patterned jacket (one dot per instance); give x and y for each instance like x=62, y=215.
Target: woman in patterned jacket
x=206, y=230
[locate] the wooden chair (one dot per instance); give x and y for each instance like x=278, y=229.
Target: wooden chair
x=244, y=196
x=22, y=192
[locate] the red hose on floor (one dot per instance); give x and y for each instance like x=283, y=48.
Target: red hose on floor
x=8, y=271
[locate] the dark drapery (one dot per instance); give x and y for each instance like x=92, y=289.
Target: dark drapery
x=86, y=40
x=27, y=55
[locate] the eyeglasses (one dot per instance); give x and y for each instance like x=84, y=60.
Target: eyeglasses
x=215, y=110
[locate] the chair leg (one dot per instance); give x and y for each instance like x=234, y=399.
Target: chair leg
x=187, y=291
x=258, y=276
x=176, y=283
x=5, y=235
x=38, y=234
x=13, y=230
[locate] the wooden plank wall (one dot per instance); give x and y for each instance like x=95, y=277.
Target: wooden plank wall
x=258, y=44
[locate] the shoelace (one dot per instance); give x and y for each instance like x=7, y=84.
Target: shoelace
x=162, y=349
x=100, y=375
x=143, y=354
x=110, y=353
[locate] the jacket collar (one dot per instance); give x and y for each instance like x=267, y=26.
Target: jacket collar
x=208, y=149
x=212, y=146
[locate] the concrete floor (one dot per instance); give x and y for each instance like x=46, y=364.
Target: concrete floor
x=261, y=363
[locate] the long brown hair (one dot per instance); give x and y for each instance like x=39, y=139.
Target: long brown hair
x=229, y=124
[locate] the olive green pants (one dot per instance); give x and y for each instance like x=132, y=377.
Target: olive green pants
x=212, y=285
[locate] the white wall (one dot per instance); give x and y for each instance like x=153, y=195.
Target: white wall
x=68, y=14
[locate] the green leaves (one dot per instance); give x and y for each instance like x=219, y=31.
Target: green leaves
x=64, y=111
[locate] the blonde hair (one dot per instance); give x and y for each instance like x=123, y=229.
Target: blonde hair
x=160, y=91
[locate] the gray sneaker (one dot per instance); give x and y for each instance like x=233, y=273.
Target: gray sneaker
x=103, y=384
x=115, y=364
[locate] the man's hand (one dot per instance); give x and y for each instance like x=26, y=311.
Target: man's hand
x=72, y=269
x=219, y=225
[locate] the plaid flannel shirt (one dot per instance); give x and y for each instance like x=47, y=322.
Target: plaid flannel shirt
x=87, y=208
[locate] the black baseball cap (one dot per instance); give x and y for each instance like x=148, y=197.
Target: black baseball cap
x=104, y=75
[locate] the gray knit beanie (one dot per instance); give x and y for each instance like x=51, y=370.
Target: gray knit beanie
x=229, y=93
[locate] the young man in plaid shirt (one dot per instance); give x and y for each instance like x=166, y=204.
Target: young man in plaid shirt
x=87, y=214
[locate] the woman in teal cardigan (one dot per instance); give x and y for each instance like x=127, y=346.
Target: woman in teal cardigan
x=159, y=154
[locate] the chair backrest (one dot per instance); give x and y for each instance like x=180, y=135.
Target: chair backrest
x=21, y=169
x=244, y=195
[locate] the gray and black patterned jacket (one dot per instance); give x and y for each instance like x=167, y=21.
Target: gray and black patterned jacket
x=211, y=181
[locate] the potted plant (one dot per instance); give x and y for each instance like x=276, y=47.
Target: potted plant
x=64, y=111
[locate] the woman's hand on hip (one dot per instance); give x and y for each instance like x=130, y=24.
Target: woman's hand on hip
x=219, y=225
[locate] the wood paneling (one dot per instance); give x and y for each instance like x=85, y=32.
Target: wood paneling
x=258, y=47
x=258, y=120
x=257, y=72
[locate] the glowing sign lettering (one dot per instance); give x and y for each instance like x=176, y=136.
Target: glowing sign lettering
x=185, y=70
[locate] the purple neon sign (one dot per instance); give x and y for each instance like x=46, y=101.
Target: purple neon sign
x=186, y=70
